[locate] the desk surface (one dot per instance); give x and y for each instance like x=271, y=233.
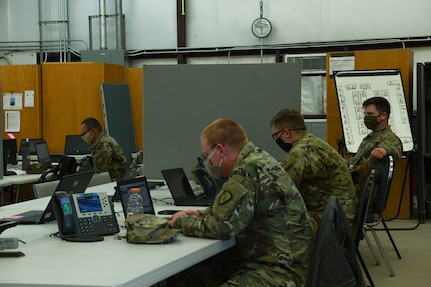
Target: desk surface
x=112, y=262
x=19, y=179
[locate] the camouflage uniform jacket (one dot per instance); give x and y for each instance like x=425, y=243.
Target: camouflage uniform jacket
x=108, y=156
x=319, y=171
x=383, y=138
x=260, y=205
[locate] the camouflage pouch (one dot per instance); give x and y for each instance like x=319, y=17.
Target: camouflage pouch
x=34, y=168
x=148, y=228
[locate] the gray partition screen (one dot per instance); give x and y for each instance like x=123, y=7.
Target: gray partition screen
x=181, y=100
x=118, y=116
x=354, y=87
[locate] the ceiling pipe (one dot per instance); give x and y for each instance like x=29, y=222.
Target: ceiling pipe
x=119, y=23
x=102, y=13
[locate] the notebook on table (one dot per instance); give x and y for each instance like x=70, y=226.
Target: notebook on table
x=123, y=191
x=182, y=191
x=74, y=183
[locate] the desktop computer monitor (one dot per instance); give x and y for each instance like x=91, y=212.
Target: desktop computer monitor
x=9, y=151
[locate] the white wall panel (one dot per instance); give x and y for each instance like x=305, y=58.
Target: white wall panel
x=151, y=24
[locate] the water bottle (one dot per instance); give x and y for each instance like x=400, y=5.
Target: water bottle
x=25, y=152
x=135, y=203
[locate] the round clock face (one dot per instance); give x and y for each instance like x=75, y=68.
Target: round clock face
x=261, y=27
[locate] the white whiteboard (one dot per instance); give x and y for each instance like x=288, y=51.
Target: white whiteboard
x=354, y=87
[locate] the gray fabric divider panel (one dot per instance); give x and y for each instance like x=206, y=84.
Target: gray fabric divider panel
x=181, y=100
x=118, y=116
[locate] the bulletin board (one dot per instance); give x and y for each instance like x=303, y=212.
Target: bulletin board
x=354, y=87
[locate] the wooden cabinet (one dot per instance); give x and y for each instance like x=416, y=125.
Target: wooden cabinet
x=71, y=93
x=18, y=79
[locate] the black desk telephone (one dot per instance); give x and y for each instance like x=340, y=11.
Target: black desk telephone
x=67, y=165
x=84, y=217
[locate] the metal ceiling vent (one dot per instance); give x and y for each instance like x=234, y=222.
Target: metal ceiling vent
x=310, y=63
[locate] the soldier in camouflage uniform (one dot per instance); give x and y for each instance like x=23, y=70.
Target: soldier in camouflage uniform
x=316, y=168
x=259, y=204
x=106, y=154
x=381, y=141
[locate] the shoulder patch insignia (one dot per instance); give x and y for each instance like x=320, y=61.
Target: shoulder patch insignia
x=225, y=197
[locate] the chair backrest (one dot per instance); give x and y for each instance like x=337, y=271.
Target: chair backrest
x=334, y=246
x=43, y=189
x=364, y=202
x=100, y=178
x=386, y=170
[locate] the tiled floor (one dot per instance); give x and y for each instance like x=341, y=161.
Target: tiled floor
x=414, y=269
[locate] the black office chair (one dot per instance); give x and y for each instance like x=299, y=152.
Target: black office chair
x=386, y=170
x=361, y=216
x=333, y=259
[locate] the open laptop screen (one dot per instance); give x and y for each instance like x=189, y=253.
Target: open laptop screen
x=43, y=153
x=178, y=183
x=74, y=145
x=76, y=182
x=124, y=186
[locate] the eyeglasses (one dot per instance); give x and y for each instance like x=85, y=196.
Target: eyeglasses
x=85, y=132
x=204, y=156
x=275, y=135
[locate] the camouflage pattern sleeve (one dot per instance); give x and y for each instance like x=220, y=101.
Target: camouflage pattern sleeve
x=295, y=170
x=108, y=156
x=102, y=157
x=384, y=138
x=232, y=211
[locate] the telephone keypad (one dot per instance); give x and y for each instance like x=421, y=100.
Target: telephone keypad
x=86, y=225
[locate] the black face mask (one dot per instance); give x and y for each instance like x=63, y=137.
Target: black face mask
x=284, y=146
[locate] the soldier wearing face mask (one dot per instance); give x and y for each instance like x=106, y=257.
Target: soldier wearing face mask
x=259, y=205
x=106, y=154
x=382, y=141
x=315, y=167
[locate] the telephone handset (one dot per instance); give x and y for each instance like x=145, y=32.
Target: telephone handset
x=85, y=216
x=44, y=177
x=65, y=219
x=67, y=165
x=208, y=183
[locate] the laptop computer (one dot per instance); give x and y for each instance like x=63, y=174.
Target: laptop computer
x=131, y=172
x=74, y=183
x=123, y=190
x=181, y=190
x=43, y=154
x=74, y=145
